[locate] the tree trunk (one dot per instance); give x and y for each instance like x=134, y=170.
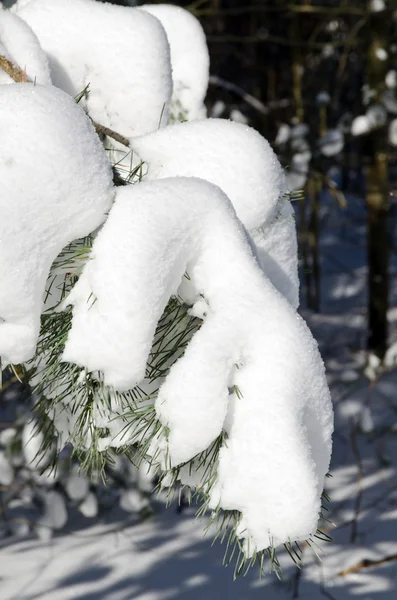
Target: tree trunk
x=378, y=197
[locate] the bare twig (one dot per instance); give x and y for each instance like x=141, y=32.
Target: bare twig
x=248, y=98
x=367, y=563
x=102, y=130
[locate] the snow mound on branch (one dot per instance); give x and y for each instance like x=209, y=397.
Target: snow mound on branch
x=121, y=52
x=20, y=45
x=56, y=186
x=242, y=163
x=189, y=58
x=279, y=429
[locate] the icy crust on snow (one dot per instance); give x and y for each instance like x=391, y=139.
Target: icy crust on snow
x=279, y=428
x=189, y=58
x=20, y=45
x=56, y=186
x=121, y=52
x=242, y=163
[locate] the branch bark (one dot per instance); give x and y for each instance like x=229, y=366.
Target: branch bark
x=13, y=71
x=19, y=76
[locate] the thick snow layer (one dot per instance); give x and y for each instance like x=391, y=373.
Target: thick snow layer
x=189, y=58
x=56, y=186
x=20, y=45
x=241, y=162
x=121, y=52
x=279, y=442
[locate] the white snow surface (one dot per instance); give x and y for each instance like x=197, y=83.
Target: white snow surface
x=6, y=470
x=121, y=52
x=32, y=446
x=393, y=132
x=242, y=163
x=298, y=170
x=155, y=232
x=56, y=186
x=20, y=45
x=77, y=485
x=189, y=58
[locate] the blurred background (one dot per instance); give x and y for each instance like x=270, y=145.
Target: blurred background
x=318, y=78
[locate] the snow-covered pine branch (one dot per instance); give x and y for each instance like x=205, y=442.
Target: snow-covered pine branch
x=51, y=160
x=183, y=345
x=251, y=339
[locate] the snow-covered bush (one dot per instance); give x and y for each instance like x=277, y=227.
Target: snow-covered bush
x=168, y=316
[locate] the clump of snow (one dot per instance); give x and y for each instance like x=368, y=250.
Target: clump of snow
x=20, y=45
x=161, y=229
x=189, y=58
x=300, y=130
x=332, y=142
x=77, y=485
x=89, y=507
x=377, y=5
x=241, y=162
x=230, y=155
x=237, y=116
x=297, y=172
x=360, y=125
x=121, y=52
x=390, y=102
x=279, y=430
x=55, y=512
x=393, y=132
x=376, y=115
x=56, y=186
x=283, y=134
x=381, y=54
x=323, y=98
x=218, y=109
x=6, y=470
x=391, y=79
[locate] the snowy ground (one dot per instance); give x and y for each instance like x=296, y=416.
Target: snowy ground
x=167, y=556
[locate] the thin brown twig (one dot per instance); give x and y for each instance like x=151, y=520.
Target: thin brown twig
x=19, y=76
x=367, y=563
x=102, y=130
